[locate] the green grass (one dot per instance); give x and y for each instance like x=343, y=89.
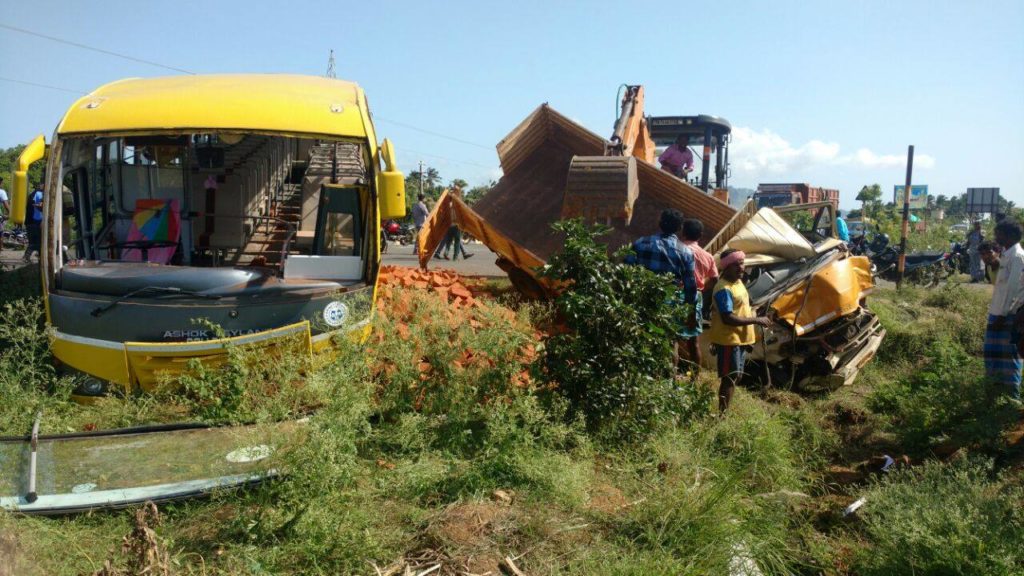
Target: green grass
x=938, y=518
x=412, y=437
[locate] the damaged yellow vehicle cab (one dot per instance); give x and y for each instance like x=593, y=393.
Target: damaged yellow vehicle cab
x=186, y=214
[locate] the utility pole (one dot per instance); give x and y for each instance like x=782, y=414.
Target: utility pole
x=902, y=262
x=421, y=176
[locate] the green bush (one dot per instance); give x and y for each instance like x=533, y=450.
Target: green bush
x=614, y=363
x=943, y=519
x=250, y=384
x=28, y=381
x=946, y=398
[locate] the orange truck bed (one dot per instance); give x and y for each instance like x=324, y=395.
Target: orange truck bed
x=514, y=219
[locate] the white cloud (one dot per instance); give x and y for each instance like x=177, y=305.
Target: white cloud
x=755, y=154
x=868, y=159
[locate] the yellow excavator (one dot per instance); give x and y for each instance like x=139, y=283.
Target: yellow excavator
x=605, y=188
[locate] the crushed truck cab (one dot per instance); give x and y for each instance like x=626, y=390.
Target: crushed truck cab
x=188, y=214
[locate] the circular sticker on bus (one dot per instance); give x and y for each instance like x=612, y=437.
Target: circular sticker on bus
x=334, y=313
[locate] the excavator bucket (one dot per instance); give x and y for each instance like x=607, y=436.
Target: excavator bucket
x=601, y=189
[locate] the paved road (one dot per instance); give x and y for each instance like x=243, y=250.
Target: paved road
x=481, y=264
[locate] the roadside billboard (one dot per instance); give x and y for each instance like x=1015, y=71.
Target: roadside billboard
x=982, y=200
x=918, y=196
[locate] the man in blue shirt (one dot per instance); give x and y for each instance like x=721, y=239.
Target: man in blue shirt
x=841, y=230
x=34, y=222
x=665, y=254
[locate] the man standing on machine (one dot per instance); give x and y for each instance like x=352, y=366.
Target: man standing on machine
x=677, y=158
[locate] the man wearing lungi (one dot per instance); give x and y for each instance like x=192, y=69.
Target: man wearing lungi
x=1002, y=361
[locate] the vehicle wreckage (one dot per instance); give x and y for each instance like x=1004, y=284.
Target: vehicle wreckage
x=106, y=469
x=801, y=275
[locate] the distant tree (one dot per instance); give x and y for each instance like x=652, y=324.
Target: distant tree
x=458, y=183
x=431, y=185
x=9, y=159
x=477, y=192
x=870, y=197
x=941, y=201
x=956, y=207
x=431, y=179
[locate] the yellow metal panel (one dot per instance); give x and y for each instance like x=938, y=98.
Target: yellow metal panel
x=106, y=361
x=259, y=102
x=19, y=197
x=150, y=362
x=835, y=291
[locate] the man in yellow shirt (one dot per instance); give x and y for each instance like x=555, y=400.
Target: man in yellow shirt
x=732, y=324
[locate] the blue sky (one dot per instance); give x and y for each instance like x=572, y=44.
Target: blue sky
x=829, y=93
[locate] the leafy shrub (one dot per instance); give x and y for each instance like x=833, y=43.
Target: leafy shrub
x=614, y=363
x=251, y=383
x=943, y=519
x=946, y=398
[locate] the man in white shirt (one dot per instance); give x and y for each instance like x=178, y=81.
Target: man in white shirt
x=5, y=202
x=1002, y=361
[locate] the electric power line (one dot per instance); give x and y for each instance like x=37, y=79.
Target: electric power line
x=436, y=134
x=94, y=49
x=427, y=154
x=409, y=150
x=330, y=71
x=37, y=85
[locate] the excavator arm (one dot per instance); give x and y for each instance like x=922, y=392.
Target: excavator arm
x=631, y=136
x=604, y=188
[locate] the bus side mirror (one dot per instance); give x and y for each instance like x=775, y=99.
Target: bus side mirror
x=390, y=185
x=19, y=196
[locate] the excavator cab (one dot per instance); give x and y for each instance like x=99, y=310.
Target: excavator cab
x=604, y=188
x=708, y=135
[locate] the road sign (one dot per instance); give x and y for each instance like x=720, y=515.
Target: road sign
x=918, y=196
x=982, y=200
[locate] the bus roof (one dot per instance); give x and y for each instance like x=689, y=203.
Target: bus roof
x=288, y=103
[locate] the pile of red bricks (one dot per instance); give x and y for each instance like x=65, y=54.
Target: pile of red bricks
x=455, y=289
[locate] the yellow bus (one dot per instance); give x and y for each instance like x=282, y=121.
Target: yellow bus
x=185, y=214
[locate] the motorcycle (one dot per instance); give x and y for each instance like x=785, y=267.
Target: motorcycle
x=959, y=259
x=924, y=268
x=17, y=235
x=405, y=234
x=388, y=231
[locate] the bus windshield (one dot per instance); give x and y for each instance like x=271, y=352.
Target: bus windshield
x=212, y=200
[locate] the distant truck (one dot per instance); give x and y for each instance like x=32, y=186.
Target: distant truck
x=771, y=195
